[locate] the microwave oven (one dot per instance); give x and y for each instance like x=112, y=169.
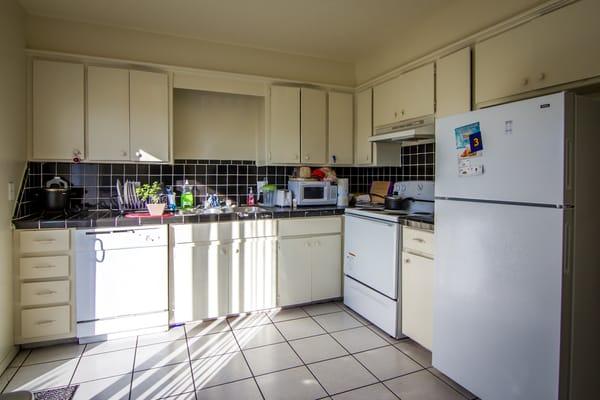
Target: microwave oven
x=313, y=193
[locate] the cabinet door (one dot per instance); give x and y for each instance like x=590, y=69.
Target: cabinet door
x=386, y=101
x=200, y=281
x=363, y=149
x=341, y=128
x=416, y=93
x=253, y=275
x=313, y=126
x=504, y=64
x=108, y=114
x=453, y=83
x=326, y=267
x=149, y=116
x=58, y=127
x=284, y=138
x=417, y=298
x=293, y=271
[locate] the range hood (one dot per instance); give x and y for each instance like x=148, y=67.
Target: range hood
x=416, y=129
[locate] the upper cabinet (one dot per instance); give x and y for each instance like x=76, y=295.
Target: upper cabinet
x=341, y=128
x=453, y=83
x=284, y=137
x=58, y=110
x=407, y=96
x=554, y=49
x=313, y=125
x=363, y=150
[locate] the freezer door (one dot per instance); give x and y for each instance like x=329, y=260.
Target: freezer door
x=522, y=157
x=497, y=305
x=371, y=254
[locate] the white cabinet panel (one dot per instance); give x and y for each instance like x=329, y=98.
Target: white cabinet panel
x=326, y=267
x=341, y=127
x=363, y=150
x=43, y=322
x=284, y=138
x=453, y=83
x=41, y=293
x=58, y=110
x=293, y=266
x=149, y=116
x=313, y=125
x=44, y=267
x=46, y=240
x=108, y=113
x=417, y=299
x=386, y=102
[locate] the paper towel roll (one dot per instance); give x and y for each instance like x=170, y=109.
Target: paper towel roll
x=342, y=199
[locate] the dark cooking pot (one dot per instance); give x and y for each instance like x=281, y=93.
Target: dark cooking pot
x=397, y=202
x=56, y=194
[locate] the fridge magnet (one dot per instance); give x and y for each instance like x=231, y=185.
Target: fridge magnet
x=467, y=167
x=468, y=140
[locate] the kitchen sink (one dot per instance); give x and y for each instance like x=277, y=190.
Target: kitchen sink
x=249, y=210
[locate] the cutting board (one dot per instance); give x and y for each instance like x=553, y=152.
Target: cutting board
x=379, y=189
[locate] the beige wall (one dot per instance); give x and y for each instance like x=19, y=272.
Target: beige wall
x=215, y=125
x=457, y=20
x=12, y=150
x=97, y=40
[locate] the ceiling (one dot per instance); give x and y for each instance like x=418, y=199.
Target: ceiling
x=341, y=30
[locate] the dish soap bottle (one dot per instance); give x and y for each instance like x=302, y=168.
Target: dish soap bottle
x=171, y=206
x=187, y=197
x=250, y=200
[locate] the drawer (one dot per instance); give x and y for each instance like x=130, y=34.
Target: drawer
x=309, y=226
x=44, y=241
x=42, y=293
x=223, y=231
x=44, y=267
x=48, y=321
x=417, y=240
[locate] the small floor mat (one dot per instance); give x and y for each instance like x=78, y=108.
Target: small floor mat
x=65, y=393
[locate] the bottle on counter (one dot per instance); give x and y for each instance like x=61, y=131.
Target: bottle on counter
x=187, y=196
x=171, y=204
x=250, y=200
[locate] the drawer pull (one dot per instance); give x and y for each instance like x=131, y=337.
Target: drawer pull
x=419, y=240
x=46, y=321
x=44, y=266
x=45, y=292
x=45, y=240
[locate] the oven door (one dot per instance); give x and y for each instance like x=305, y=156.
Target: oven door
x=371, y=253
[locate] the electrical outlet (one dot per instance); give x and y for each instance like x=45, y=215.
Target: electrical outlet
x=11, y=191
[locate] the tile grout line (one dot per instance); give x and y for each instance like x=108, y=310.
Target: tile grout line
x=77, y=366
x=187, y=348
x=300, y=358
x=137, y=339
x=245, y=360
x=440, y=379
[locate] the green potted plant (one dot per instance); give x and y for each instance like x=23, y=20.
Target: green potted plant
x=151, y=195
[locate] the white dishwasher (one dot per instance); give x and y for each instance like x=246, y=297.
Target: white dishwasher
x=121, y=281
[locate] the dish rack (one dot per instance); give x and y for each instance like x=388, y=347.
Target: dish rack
x=127, y=198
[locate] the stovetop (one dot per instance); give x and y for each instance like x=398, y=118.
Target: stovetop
x=378, y=212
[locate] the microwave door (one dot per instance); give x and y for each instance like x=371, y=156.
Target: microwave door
x=313, y=193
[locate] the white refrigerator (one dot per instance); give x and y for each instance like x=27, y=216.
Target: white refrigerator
x=517, y=244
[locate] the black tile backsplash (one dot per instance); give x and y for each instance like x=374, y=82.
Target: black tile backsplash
x=93, y=185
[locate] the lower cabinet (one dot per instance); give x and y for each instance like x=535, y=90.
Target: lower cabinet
x=310, y=269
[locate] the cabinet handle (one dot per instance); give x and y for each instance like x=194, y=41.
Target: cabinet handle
x=45, y=321
x=525, y=81
x=542, y=76
x=124, y=153
x=223, y=251
x=44, y=266
x=419, y=240
x=407, y=260
x=138, y=154
x=402, y=112
x=295, y=156
x=237, y=251
x=45, y=292
x=45, y=240
x=395, y=114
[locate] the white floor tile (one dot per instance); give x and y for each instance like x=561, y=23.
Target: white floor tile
x=271, y=358
x=43, y=376
x=291, y=384
x=110, y=345
x=162, y=382
x=54, y=353
x=383, y=335
x=387, y=362
x=299, y=328
x=286, y=314
x=323, y=308
x=317, y=348
x=212, y=345
x=354, y=314
x=175, y=333
x=420, y=386
x=341, y=374
x=359, y=339
x=18, y=360
x=104, y=365
x=207, y=327
x=217, y=370
x=241, y=390
x=337, y=321
x=248, y=320
x=258, y=336
x=113, y=388
x=415, y=351
x=6, y=376
x=161, y=354
x=373, y=392
x=456, y=386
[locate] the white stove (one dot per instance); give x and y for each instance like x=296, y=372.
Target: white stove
x=372, y=255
